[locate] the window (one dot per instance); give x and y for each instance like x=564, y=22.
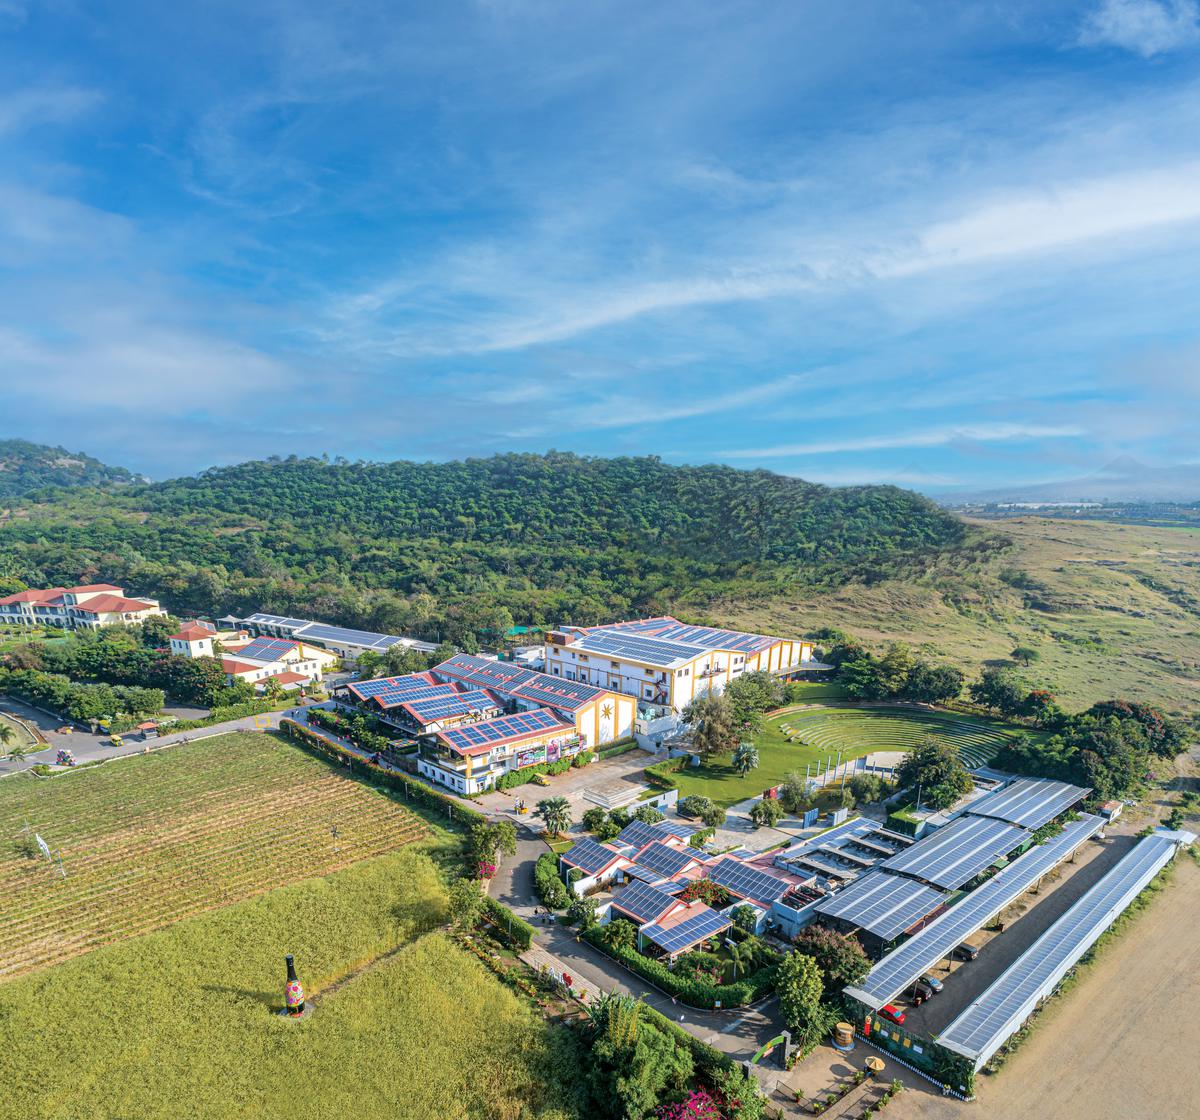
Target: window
x=649, y=691
x=556, y=672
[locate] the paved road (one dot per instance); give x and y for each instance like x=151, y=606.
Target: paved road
x=87, y=747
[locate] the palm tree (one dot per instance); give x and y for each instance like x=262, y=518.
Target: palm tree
x=745, y=758
x=556, y=814
x=7, y=734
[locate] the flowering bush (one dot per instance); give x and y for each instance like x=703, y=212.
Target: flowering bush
x=485, y=870
x=699, y=1104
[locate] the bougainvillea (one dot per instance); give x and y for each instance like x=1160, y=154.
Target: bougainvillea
x=485, y=870
x=699, y=1104
x=707, y=891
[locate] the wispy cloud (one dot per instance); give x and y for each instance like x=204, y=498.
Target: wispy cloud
x=934, y=437
x=1146, y=27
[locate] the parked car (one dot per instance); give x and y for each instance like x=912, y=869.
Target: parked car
x=891, y=1011
x=932, y=981
x=919, y=993
x=966, y=952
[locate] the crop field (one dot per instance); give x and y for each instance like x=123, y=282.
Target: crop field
x=791, y=740
x=857, y=731
x=183, y=1021
x=150, y=839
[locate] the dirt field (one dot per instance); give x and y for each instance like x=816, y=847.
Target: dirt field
x=1122, y=1043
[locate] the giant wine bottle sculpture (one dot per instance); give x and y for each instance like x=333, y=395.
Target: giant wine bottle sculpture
x=293, y=992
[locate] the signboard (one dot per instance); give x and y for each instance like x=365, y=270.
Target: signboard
x=531, y=757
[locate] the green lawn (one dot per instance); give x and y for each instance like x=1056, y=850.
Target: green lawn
x=853, y=731
x=183, y=1021
x=21, y=737
x=816, y=692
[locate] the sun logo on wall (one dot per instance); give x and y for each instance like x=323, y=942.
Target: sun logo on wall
x=606, y=711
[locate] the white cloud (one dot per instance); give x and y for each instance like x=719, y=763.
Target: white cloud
x=1146, y=27
x=935, y=437
x=44, y=105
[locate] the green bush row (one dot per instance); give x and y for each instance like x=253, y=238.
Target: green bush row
x=661, y=774
x=517, y=929
x=694, y=992
x=615, y=749
x=416, y=791
x=232, y=712
x=527, y=773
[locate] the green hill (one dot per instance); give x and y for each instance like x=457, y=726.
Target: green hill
x=457, y=548
x=27, y=467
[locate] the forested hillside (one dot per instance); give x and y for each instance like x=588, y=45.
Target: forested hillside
x=451, y=549
x=26, y=467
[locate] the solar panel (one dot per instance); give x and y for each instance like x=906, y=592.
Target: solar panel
x=747, y=882
x=556, y=693
x=984, y=1026
x=938, y=939
x=502, y=728
x=655, y=879
x=639, y=834
x=589, y=856
x=670, y=861
x=433, y=708
x=706, y=923
x=261, y=618
x=265, y=649
x=1030, y=802
x=885, y=905
x=406, y=687
x=321, y=632
x=671, y=629
x=638, y=648
x=643, y=902
x=676, y=828
x=957, y=853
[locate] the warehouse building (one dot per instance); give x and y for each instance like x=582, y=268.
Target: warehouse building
x=346, y=643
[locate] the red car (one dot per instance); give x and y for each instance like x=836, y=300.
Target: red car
x=891, y=1011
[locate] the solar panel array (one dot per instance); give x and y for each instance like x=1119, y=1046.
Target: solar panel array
x=483, y=672
x=706, y=923
x=588, y=856
x=555, y=692
x=747, y=882
x=481, y=735
x=885, y=905
x=960, y=851
x=655, y=879
x=639, y=834
x=431, y=709
x=676, y=828
x=390, y=691
x=637, y=648
x=671, y=629
x=643, y=902
x=670, y=861
x=984, y=1026
x=1030, y=802
x=265, y=649
x=923, y=950
x=320, y=632
x=260, y=618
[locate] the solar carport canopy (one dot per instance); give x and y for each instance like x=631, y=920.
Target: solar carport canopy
x=947, y=931
x=1030, y=802
x=958, y=852
x=987, y=1023
x=885, y=905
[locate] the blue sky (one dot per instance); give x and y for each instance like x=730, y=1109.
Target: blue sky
x=942, y=245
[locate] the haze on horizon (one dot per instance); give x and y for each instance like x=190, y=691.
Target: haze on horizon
x=936, y=244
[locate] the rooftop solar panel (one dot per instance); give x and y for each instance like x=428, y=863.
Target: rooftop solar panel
x=957, y=853
x=747, y=882
x=885, y=905
x=556, y=692
x=705, y=923
x=431, y=709
x=502, y=728
x=1029, y=802
x=266, y=649
x=670, y=861
x=639, y=834
x=589, y=856
x=643, y=902
x=320, y=632
x=655, y=878
x=277, y=620
x=938, y=939
x=984, y=1026
x=677, y=828
x=637, y=648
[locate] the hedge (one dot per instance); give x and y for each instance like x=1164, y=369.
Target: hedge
x=518, y=930
x=695, y=993
x=549, y=886
x=233, y=711
x=319, y=745
x=659, y=773
x=623, y=747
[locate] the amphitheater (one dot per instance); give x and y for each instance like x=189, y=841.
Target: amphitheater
x=855, y=731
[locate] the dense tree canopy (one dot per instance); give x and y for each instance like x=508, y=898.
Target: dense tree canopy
x=936, y=770
x=460, y=550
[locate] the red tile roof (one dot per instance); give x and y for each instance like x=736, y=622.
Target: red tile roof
x=86, y=587
x=33, y=596
x=289, y=678
x=114, y=604
x=193, y=632
x=236, y=668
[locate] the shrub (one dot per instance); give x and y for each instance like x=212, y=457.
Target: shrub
x=766, y=812
x=693, y=805
x=582, y=759
x=519, y=931
x=593, y=818
x=707, y=891
x=549, y=886
x=648, y=814
x=713, y=816
x=744, y=918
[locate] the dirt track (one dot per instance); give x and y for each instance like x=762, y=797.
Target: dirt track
x=1122, y=1043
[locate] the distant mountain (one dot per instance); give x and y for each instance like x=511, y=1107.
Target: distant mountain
x=26, y=467
x=1123, y=480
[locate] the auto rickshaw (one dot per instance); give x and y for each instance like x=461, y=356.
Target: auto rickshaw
x=115, y=740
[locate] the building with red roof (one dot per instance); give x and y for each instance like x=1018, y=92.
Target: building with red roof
x=87, y=606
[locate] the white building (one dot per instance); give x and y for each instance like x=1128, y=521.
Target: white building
x=86, y=607
x=348, y=644
x=665, y=662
